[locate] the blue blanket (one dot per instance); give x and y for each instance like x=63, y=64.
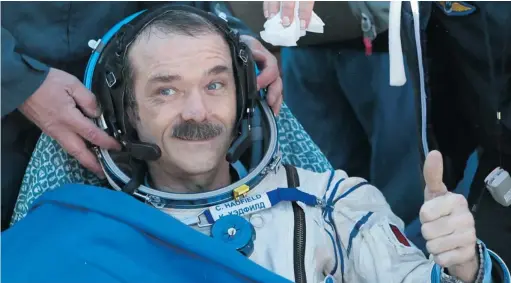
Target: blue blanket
x=81, y=233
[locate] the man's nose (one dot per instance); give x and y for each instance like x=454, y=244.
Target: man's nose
x=194, y=107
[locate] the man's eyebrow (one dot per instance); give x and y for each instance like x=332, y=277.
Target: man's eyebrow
x=218, y=69
x=164, y=78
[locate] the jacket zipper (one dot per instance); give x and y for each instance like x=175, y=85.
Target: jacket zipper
x=299, y=244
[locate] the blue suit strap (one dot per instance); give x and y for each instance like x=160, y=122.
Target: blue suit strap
x=240, y=169
x=291, y=194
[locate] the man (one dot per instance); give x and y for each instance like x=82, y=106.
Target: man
x=470, y=63
x=182, y=95
x=44, y=53
x=462, y=80
x=367, y=126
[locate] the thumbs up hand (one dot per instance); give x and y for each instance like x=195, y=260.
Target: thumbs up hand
x=447, y=224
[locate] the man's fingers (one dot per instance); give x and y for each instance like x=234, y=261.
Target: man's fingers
x=305, y=13
x=89, y=131
x=433, y=168
x=86, y=101
x=269, y=77
x=451, y=242
x=274, y=95
x=75, y=146
x=278, y=105
x=266, y=9
x=288, y=12
x=268, y=65
x=273, y=8
x=434, y=209
x=442, y=206
x=439, y=228
x=433, y=176
x=456, y=256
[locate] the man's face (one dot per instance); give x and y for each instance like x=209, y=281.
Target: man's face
x=185, y=90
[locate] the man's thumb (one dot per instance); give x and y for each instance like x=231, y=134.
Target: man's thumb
x=433, y=172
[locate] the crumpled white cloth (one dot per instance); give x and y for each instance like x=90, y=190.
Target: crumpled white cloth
x=277, y=35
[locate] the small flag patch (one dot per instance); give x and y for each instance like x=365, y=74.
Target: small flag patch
x=399, y=235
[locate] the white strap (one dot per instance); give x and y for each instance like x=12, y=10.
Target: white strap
x=397, y=67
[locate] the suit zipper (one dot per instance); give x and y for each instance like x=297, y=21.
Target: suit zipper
x=299, y=244
x=293, y=181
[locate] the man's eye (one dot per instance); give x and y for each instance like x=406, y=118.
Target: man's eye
x=167, y=91
x=215, y=86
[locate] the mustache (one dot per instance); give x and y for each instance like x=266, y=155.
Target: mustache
x=194, y=131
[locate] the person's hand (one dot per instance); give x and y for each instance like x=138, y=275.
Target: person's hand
x=447, y=224
x=58, y=107
x=271, y=8
x=269, y=77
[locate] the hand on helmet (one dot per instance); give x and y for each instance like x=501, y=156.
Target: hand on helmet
x=270, y=74
x=60, y=107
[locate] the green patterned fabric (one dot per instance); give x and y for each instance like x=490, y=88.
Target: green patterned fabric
x=51, y=167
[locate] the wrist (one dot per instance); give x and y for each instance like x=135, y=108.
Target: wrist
x=467, y=272
x=471, y=271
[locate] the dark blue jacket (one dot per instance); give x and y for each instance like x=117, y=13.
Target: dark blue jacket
x=467, y=66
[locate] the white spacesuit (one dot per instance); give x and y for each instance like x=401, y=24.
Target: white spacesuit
x=305, y=226
x=370, y=247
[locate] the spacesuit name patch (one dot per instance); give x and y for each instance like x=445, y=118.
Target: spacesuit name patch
x=241, y=207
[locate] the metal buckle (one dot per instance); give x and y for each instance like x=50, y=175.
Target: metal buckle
x=199, y=220
x=97, y=151
x=274, y=164
x=156, y=201
x=243, y=56
x=110, y=79
x=202, y=221
x=141, y=196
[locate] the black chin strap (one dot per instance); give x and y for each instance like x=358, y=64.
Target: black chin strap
x=139, y=169
x=142, y=150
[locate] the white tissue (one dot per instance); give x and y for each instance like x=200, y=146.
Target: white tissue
x=277, y=35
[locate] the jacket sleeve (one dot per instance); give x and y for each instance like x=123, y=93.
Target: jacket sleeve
x=21, y=74
x=374, y=247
